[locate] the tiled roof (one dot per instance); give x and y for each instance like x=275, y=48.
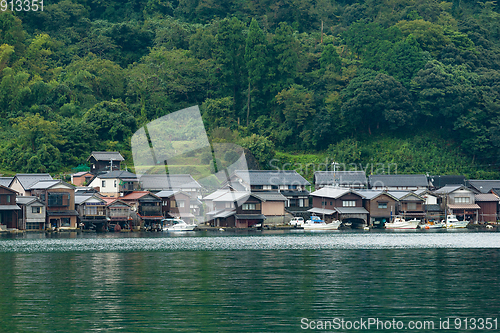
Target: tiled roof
x=398, y=181
x=269, y=196
x=486, y=197
x=81, y=173
x=166, y=194
x=46, y=184
x=120, y=174
x=135, y=195
x=464, y=206
x=28, y=179
x=232, y=196
x=351, y=210
x=25, y=200
x=106, y=156
x=340, y=177
x=168, y=182
x=484, y=186
x=274, y=177
x=449, y=188
x=5, y=181
x=372, y=194
x=333, y=192
x=216, y=194
x=443, y=180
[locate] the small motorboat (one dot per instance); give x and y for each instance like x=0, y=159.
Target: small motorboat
x=177, y=225
x=433, y=225
x=452, y=222
x=401, y=223
x=315, y=223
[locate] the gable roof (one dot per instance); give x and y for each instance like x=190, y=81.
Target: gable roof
x=334, y=192
x=8, y=189
x=450, y=188
x=273, y=177
x=106, y=156
x=28, y=179
x=168, y=182
x=340, y=177
x=232, y=196
x=80, y=199
x=120, y=174
x=81, y=173
x=5, y=181
x=26, y=200
x=216, y=194
x=46, y=184
x=484, y=186
x=372, y=194
x=137, y=195
x=398, y=181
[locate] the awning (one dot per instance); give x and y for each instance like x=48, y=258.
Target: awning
x=464, y=206
x=321, y=211
x=224, y=214
x=152, y=217
x=414, y=214
x=351, y=210
x=250, y=217
x=10, y=207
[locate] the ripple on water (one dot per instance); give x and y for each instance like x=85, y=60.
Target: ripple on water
x=292, y=241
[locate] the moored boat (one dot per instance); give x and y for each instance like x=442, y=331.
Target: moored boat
x=401, y=223
x=433, y=225
x=452, y=222
x=315, y=223
x=177, y=225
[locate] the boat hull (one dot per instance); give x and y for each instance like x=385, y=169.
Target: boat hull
x=322, y=226
x=402, y=225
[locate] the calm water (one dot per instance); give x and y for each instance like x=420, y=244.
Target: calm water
x=249, y=282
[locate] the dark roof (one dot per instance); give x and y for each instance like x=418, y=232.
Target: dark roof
x=250, y=217
x=443, y=180
x=274, y=177
x=10, y=207
x=398, y=181
x=269, y=196
x=432, y=208
x=120, y=174
x=484, y=186
x=168, y=182
x=106, y=156
x=28, y=179
x=5, y=181
x=340, y=178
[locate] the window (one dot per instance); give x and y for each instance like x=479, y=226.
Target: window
x=292, y=187
x=250, y=206
x=274, y=187
x=36, y=210
x=323, y=203
x=180, y=203
x=8, y=199
x=331, y=203
x=266, y=187
x=90, y=210
x=382, y=205
x=114, y=183
x=462, y=200
x=348, y=203
x=228, y=205
x=103, y=183
x=58, y=199
x=411, y=206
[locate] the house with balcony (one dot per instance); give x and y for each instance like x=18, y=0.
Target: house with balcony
x=104, y=161
x=288, y=183
x=460, y=201
x=146, y=205
x=119, y=212
x=239, y=209
x=115, y=183
x=32, y=215
x=59, y=200
x=91, y=212
x=334, y=203
x=176, y=204
x=9, y=210
x=410, y=205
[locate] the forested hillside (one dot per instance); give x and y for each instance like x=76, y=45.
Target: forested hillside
x=345, y=79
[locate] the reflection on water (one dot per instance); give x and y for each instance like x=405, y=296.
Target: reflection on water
x=245, y=289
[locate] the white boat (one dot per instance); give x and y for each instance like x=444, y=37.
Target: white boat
x=452, y=222
x=315, y=223
x=400, y=223
x=177, y=225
